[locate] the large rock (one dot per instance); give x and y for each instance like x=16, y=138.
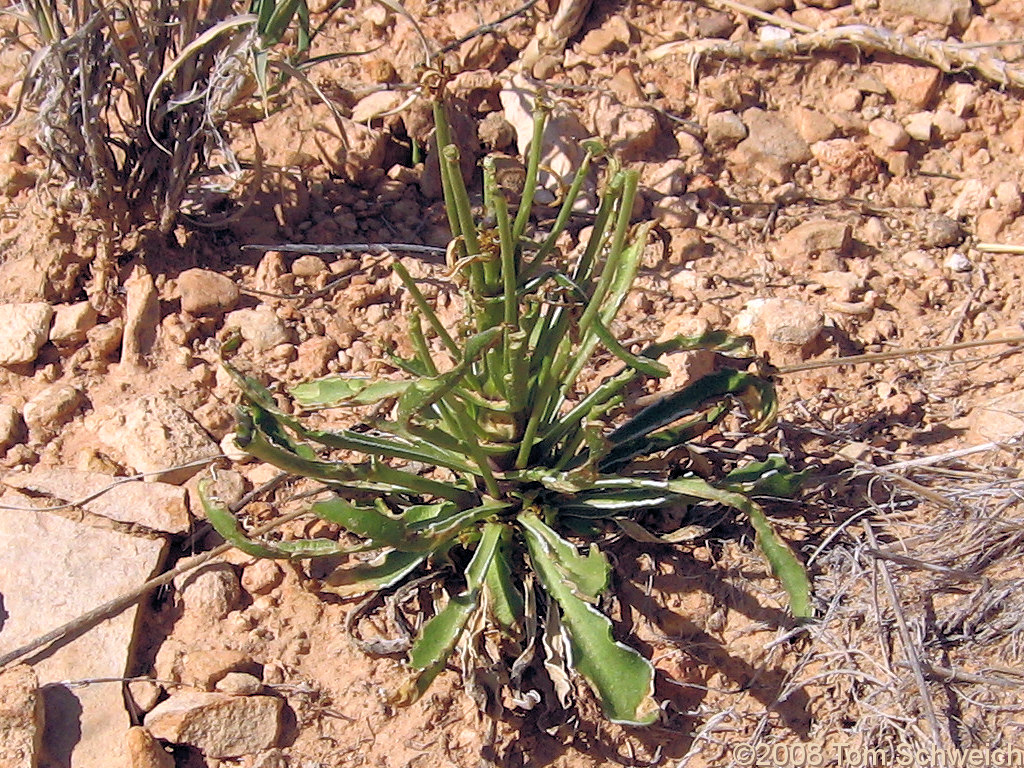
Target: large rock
x=204, y=292
x=158, y=506
x=145, y=752
x=997, y=420
x=24, y=328
x=772, y=148
x=154, y=435
x=85, y=726
x=21, y=718
x=71, y=323
x=216, y=724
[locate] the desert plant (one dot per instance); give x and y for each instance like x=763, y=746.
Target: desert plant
x=523, y=467
x=132, y=99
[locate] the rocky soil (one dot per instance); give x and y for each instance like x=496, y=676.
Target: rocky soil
x=828, y=204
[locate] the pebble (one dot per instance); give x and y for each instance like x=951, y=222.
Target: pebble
x=24, y=328
x=71, y=323
x=308, y=265
x=725, y=129
x=211, y=590
x=21, y=717
x=375, y=105
x=314, y=354
x=958, y=262
x=261, y=577
x=686, y=245
x=261, y=327
x=12, y=428
x=785, y=329
x=630, y=131
x=205, y=292
x=1009, y=197
x=812, y=238
x=105, y=339
x=144, y=751
x=154, y=435
x=239, y=684
x=205, y=667
x=495, y=132
x=919, y=260
x=892, y=135
x=949, y=12
x=942, y=232
x=50, y=408
x=949, y=126
x=916, y=84
x=919, y=126
x=812, y=125
x=674, y=213
x=613, y=35
x=772, y=147
x=218, y=725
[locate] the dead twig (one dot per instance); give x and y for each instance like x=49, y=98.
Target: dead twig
x=946, y=56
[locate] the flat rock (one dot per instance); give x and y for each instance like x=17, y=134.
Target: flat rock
x=218, y=725
x=772, y=148
x=85, y=726
x=158, y=506
x=21, y=717
x=949, y=12
x=204, y=292
x=811, y=239
x=153, y=435
x=24, y=328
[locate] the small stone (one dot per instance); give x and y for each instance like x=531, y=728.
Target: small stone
x=51, y=408
x=14, y=178
x=813, y=238
x=963, y=97
x=674, y=213
x=239, y=684
x=21, y=717
x=847, y=100
x=144, y=751
x=141, y=318
x=787, y=329
x=308, y=265
x=687, y=245
x=630, y=132
x=24, y=328
x=919, y=126
x=919, y=260
x=725, y=129
x=949, y=126
x=668, y=178
x=495, y=132
x=614, y=35
x=218, y=725
x=155, y=436
x=204, y=668
x=942, y=232
x=892, y=135
x=210, y=590
x=989, y=223
x=949, y=12
x=261, y=327
x=958, y=262
x=12, y=428
x=71, y=323
x=144, y=694
x=205, y=292
x=812, y=126
x=375, y=105
x=772, y=148
x=1009, y=197
x=105, y=339
x=261, y=577
x=847, y=159
x=916, y=84
x=314, y=355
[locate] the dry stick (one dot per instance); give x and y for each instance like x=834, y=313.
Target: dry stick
x=875, y=357
x=908, y=647
x=999, y=248
x=126, y=600
x=949, y=57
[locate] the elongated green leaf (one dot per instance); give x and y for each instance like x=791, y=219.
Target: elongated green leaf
x=367, y=522
x=331, y=391
x=505, y=601
x=588, y=573
x=662, y=440
x=384, y=571
x=682, y=403
x=438, y=637
x=622, y=679
x=772, y=477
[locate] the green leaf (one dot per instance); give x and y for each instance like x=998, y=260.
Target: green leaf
x=622, y=679
x=438, y=637
x=772, y=477
x=331, y=391
x=367, y=522
x=384, y=571
x=588, y=573
x=504, y=600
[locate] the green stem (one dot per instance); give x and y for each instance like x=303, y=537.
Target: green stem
x=533, y=164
